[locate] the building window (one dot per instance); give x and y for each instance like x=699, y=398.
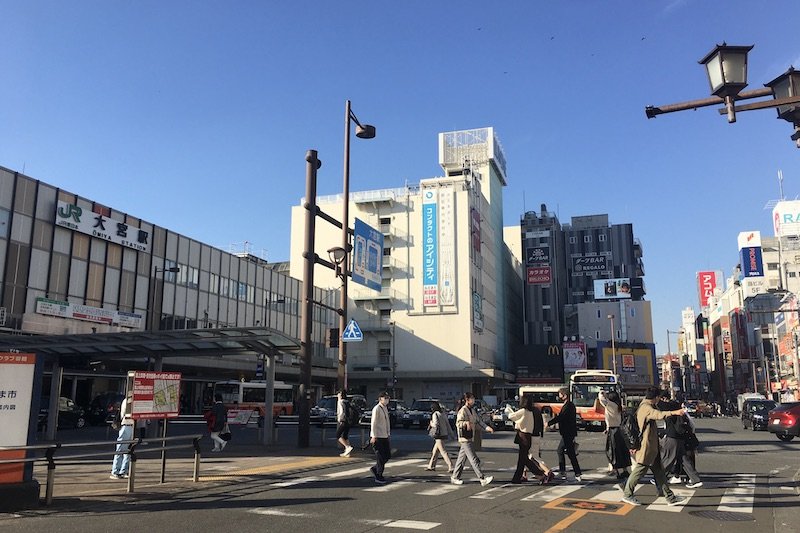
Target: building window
x=633, y=312
x=598, y=313
x=213, y=283
x=573, y=240
x=385, y=220
x=587, y=238
x=792, y=274
x=386, y=313
x=387, y=252
x=772, y=266
x=597, y=335
x=601, y=237
x=170, y=276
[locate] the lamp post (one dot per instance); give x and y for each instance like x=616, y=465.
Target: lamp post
x=173, y=270
x=682, y=374
x=364, y=131
x=394, y=362
x=613, y=345
x=726, y=67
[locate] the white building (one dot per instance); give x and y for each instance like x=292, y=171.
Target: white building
x=448, y=316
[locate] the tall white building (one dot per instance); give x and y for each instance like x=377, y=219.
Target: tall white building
x=448, y=316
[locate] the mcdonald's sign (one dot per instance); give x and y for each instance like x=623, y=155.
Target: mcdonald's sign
x=554, y=349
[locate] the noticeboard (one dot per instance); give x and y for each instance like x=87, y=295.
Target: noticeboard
x=155, y=394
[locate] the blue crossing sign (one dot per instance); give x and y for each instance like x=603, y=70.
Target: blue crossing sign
x=352, y=333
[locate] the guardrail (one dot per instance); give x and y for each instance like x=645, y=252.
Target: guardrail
x=51, y=449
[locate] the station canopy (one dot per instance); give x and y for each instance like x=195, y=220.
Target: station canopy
x=164, y=343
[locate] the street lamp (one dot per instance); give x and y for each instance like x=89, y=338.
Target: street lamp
x=173, y=270
x=726, y=67
x=363, y=131
x=613, y=345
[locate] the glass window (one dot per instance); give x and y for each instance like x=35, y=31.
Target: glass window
x=587, y=238
x=601, y=238
x=573, y=240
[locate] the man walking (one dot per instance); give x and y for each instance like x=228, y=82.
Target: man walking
x=648, y=455
x=379, y=431
x=568, y=430
x=343, y=424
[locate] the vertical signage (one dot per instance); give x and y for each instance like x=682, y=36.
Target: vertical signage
x=430, y=248
x=367, y=256
x=16, y=393
x=707, y=282
x=447, y=260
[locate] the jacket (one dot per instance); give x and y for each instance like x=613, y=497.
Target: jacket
x=341, y=410
x=124, y=413
x=438, y=419
x=567, y=425
x=646, y=415
x=465, y=414
x=220, y=417
x=379, y=426
x=613, y=415
x=676, y=426
x=528, y=421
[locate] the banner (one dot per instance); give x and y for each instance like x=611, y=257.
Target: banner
x=430, y=249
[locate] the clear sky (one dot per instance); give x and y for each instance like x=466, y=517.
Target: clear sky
x=197, y=116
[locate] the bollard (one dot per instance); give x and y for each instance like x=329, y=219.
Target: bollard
x=196, y=473
x=51, y=474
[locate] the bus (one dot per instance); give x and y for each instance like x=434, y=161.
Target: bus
x=241, y=396
x=545, y=397
x=584, y=386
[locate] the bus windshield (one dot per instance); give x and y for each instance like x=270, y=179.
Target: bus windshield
x=585, y=394
x=229, y=392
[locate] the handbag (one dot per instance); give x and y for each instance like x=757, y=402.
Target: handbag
x=226, y=434
x=467, y=433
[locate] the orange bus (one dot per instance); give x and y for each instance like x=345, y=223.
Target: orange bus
x=545, y=397
x=250, y=395
x=584, y=386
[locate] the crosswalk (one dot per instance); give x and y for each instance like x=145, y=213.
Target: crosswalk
x=736, y=496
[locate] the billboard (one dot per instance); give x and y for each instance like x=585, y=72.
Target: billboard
x=707, y=283
x=750, y=256
x=430, y=248
x=537, y=254
x=539, y=275
x=588, y=263
x=615, y=288
x=155, y=394
x=574, y=356
x=367, y=256
x=786, y=218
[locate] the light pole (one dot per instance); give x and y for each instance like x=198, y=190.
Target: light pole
x=682, y=374
x=362, y=132
x=613, y=345
x=173, y=270
x=394, y=362
x=726, y=67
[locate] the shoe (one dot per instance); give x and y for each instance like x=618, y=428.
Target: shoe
x=374, y=472
x=347, y=451
x=456, y=481
x=216, y=450
x=222, y=446
x=549, y=478
x=631, y=500
x=677, y=501
x=486, y=480
x=652, y=481
x=115, y=476
x=380, y=480
x=429, y=469
x=563, y=475
x=694, y=485
x=342, y=454
x=578, y=479
x=674, y=480
x=449, y=470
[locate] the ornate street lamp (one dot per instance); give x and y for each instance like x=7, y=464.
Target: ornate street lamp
x=726, y=67
x=787, y=85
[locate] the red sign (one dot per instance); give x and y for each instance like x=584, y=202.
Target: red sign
x=706, y=283
x=156, y=394
x=539, y=275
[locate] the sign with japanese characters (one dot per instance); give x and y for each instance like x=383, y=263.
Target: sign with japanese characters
x=539, y=275
x=45, y=306
x=588, y=263
x=155, y=394
x=430, y=248
x=76, y=218
x=538, y=254
x=16, y=393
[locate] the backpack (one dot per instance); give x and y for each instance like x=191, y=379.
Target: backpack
x=351, y=414
x=631, y=433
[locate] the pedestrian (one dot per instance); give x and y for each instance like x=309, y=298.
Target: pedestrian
x=619, y=458
x=648, y=455
x=343, y=424
x=379, y=431
x=439, y=428
x=672, y=446
x=568, y=429
x=528, y=424
x=466, y=423
x=217, y=423
x=121, y=463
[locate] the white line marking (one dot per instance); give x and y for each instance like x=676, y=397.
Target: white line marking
x=292, y=482
x=661, y=502
x=356, y=471
x=439, y=491
x=495, y=492
x=739, y=499
x=559, y=491
x=613, y=496
x=413, y=524
x=279, y=512
x=390, y=486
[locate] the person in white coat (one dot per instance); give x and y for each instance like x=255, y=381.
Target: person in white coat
x=467, y=421
x=379, y=431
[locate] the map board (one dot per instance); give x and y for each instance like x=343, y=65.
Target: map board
x=155, y=394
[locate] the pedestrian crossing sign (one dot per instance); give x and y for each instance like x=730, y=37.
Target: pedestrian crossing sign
x=352, y=333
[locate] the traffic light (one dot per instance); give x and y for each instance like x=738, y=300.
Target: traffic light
x=332, y=338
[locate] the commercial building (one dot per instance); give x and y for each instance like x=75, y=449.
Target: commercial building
x=448, y=316
x=70, y=265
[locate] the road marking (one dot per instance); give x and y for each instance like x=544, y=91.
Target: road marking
x=559, y=491
x=739, y=499
x=279, y=512
x=390, y=486
x=661, y=502
x=356, y=471
x=308, y=462
x=293, y=482
x=495, y=492
x=413, y=524
x=439, y=491
x=613, y=495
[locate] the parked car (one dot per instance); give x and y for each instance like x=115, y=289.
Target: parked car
x=500, y=417
x=755, y=413
x=325, y=410
x=397, y=408
x=784, y=421
x=419, y=414
x=70, y=414
x=104, y=407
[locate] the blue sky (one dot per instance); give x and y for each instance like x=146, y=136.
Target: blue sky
x=197, y=115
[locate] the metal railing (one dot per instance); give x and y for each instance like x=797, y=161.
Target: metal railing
x=293, y=420
x=51, y=449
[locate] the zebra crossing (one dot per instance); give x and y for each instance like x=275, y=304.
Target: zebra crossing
x=737, y=497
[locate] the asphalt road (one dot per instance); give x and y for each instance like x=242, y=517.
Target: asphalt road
x=750, y=486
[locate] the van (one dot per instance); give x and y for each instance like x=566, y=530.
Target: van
x=748, y=396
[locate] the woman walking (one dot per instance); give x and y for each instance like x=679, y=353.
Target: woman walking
x=619, y=458
x=529, y=424
x=466, y=421
x=441, y=432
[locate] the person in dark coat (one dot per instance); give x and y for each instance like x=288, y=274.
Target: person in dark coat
x=219, y=421
x=568, y=429
x=673, y=445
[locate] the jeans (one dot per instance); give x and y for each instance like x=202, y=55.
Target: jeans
x=122, y=460
x=567, y=445
x=467, y=453
x=383, y=452
x=658, y=473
